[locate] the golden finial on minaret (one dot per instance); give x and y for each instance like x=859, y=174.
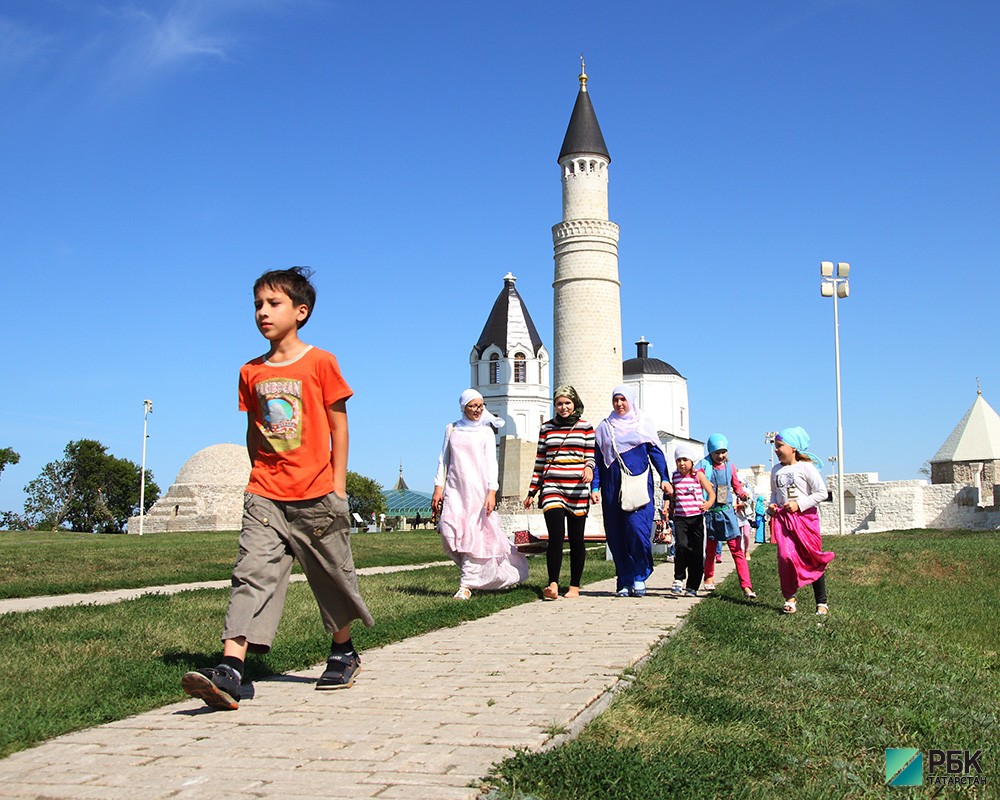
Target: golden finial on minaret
x=583, y=74
x=979, y=387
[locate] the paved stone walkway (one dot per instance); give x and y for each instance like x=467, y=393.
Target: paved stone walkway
x=425, y=720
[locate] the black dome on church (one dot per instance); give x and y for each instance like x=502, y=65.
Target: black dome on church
x=508, y=310
x=642, y=364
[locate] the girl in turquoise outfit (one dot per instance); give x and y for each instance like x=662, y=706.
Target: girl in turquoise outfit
x=721, y=524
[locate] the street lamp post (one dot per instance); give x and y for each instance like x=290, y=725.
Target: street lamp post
x=769, y=438
x=837, y=286
x=147, y=409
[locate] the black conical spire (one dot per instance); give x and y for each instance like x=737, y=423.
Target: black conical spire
x=583, y=136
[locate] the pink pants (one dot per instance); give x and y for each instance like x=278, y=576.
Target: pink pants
x=742, y=570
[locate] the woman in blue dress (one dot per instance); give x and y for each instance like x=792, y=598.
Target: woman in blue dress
x=627, y=438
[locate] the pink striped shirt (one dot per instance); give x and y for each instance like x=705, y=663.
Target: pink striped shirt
x=688, y=494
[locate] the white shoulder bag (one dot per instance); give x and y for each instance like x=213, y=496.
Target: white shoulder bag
x=634, y=492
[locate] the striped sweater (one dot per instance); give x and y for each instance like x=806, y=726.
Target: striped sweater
x=563, y=453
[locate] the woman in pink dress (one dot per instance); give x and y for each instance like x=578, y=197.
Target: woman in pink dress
x=465, y=497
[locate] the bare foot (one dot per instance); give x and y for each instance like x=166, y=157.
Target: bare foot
x=571, y=592
x=551, y=592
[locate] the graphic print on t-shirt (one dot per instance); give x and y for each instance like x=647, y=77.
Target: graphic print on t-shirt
x=280, y=412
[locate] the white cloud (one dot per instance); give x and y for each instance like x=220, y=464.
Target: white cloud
x=20, y=46
x=115, y=45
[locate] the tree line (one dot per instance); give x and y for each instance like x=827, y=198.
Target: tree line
x=88, y=490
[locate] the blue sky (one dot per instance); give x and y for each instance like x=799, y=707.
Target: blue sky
x=159, y=155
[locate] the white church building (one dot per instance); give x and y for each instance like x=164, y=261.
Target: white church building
x=510, y=366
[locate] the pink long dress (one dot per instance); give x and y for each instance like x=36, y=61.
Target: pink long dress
x=472, y=538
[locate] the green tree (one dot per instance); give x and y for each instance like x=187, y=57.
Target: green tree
x=7, y=456
x=89, y=490
x=48, y=497
x=364, y=496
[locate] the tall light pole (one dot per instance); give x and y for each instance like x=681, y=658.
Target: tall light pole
x=836, y=285
x=769, y=438
x=147, y=409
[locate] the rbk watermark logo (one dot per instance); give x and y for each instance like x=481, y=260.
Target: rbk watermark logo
x=904, y=766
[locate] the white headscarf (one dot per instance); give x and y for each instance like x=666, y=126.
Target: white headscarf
x=689, y=451
x=485, y=419
x=625, y=431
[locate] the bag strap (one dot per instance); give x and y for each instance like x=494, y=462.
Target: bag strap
x=562, y=444
x=621, y=463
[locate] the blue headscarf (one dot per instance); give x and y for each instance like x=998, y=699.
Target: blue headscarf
x=716, y=441
x=797, y=438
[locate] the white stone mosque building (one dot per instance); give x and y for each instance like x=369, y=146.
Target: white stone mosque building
x=587, y=351
x=509, y=365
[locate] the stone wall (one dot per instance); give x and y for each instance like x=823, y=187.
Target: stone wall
x=871, y=505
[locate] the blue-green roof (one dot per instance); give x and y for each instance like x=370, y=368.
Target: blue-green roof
x=406, y=503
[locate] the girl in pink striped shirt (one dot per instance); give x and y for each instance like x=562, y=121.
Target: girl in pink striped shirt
x=693, y=496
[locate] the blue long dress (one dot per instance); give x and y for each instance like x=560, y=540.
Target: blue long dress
x=629, y=533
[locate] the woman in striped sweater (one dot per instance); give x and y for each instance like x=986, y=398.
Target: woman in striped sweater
x=564, y=468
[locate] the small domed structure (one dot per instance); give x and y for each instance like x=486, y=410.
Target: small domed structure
x=207, y=494
x=661, y=389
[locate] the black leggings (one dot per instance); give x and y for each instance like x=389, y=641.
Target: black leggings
x=573, y=526
x=819, y=589
x=689, y=550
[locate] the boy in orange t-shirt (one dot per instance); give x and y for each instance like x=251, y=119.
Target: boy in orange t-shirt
x=295, y=506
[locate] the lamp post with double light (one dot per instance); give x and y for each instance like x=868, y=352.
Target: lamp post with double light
x=147, y=409
x=835, y=284
x=769, y=438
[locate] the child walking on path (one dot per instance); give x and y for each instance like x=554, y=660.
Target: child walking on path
x=720, y=520
x=295, y=506
x=796, y=489
x=693, y=496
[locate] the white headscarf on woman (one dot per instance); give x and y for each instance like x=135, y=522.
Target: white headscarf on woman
x=485, y=419
x=628, y=430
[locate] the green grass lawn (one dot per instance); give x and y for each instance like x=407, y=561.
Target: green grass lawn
x=33, y=563
x=744, y=702
x=96, y=664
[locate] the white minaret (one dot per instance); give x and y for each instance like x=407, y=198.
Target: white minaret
x=587, y=341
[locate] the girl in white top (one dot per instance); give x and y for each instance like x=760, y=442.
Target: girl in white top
x=796, y=489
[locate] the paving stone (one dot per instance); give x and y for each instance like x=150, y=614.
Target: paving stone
x=482, y=689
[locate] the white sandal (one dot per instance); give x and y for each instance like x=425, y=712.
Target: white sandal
x=789, y=607
x=462, y=594
x=822, y=609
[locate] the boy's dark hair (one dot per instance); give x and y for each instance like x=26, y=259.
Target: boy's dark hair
x=294, y=282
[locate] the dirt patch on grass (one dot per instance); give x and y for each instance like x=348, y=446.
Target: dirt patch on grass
x=931, y=567
x=872, y=572
x=902, y=568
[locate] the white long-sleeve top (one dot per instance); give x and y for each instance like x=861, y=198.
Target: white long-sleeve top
x=800, y=482
x=486, y=438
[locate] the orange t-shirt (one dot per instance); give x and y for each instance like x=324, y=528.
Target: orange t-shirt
x=288, y=401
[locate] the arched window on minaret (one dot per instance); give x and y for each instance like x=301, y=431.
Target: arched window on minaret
x=520, y=368
x=495, y=368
